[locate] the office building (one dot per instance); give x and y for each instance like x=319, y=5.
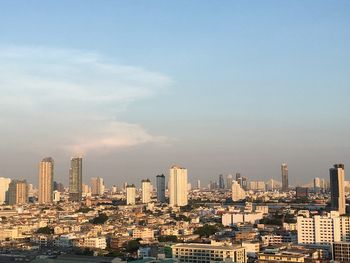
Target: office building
x=317, y=184
x=257, y=186
x=178, y=186
x=337, y=176
x=199, y=253
x=198, y=184
x=160, y=188
x=46, y=173
x=341, y=251
x=146, y=189
x=229, y=179
x=284, y=173
x=130, y=194
x=237, y=192
x=221, y=182
x=97, y=186
x=18, y=192
x=301, y=192
x=76, y=179
x=4, y=186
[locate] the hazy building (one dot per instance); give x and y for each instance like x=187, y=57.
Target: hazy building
x=229, y=179
x=146, y=189
x=198, y=184
x=178, y=186
x=130, y=194
x=317, y=184
x=4, y=187
x=301, y=192
x=97, y=186
x=337, y=176
x=237, y=192
x=284, y=174
x=221, y=182
x=257, y=186
x=58, y=187
x=161, y=188
x=76, y=179
x=244, y=183
x=18, y=192
x=46, y=173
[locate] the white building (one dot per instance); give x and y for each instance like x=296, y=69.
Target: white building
x=237, y=192
x=144, y=233
x=257, y=186
x=178, y=186
x=199, y=253
x=130, y=195
x=56, y=196
x=146, y=188
x=95, y=242
x=230, y=219
x=4, y=187
x=323, y=230
x=97, y=186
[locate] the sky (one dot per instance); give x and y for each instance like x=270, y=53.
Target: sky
x=218, y=87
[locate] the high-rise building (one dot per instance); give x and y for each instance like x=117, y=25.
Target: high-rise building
x=301, y=192
x=237, y=192
x=198, y=184
x=130, y=194
x=317, y=184
x=146, y=189
x=284, y=173
x=4, y=187
x=86, y=189
x=97, y=186
x=161, y=188
x=244, y=183
x=18, y=192
x=46, y=173
x=76, y=179
x=221, y=182
x=229, y=179
x=178, y=186
x=337, y=176
x=257, y=186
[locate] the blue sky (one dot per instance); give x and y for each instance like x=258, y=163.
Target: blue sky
x=135, y=86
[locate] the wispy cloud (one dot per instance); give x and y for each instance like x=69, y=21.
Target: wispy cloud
x=69, y=99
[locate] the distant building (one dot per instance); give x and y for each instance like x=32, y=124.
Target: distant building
x=221, y=182
x=130, y=194
x=4, y=186
x=198, y=184
x=161, y=188
x=46, y=174
x=237, y=192
x=97, y=186
x=317, y=184
x=229, y=179
x=146, y=189
x=178, y=186
x=257, y=186
x=301, y=192
x=284, y=173
x=18, y=192
x=76, y=179
x=337, y=176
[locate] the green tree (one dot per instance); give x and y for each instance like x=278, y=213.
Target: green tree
x=100, y=219
x=206, y=230
x=45, y=230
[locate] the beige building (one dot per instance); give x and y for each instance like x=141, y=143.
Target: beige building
x=18, y=192
x=130, y=195
x=178, y=186
x=97, y=186
x=237, y=192
x=146, y=188
x=208, y=253
x=46, y=172
x=4, y=186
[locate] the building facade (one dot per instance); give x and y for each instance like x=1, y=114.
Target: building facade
x=46, y=174
x=18, y=192
x=130, y=195
x=337, y=177
x=178, y=194
x=284, y=174
x=76, y=179
x=146, y=189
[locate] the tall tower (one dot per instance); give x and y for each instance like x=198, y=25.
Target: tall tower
x=18, y=192
x=161, y=188
x=46, y=180
x=178, y=186
x=284, y=173
x=130, y=194
x=76, y=179
x=97, y=186
x=229, y=179
x=337, y=176
x=4, y=186
x=146, y=191
x=221, y=182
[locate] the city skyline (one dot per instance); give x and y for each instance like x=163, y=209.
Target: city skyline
x=251, y=85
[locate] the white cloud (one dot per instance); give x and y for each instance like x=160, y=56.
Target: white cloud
x=69, y=99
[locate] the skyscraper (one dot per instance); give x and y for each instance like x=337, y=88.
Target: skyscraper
x=221, y=182
x=130, y=194
x=337, y=176
x=161, y=188
x=198, y=184
x=97, y=186
x=18, y=192
x=4, y=186
x=76, y=179
x=229, y=179
x=237, y=192
x=178, y=186
x=317, y=184
x=146, y=191
x=46, y=180
x=284, y=173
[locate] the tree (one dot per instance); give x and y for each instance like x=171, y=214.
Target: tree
x=100, y=219
x=45, y=230
x=170, y=238
x=206, y=230
x=132, y=246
